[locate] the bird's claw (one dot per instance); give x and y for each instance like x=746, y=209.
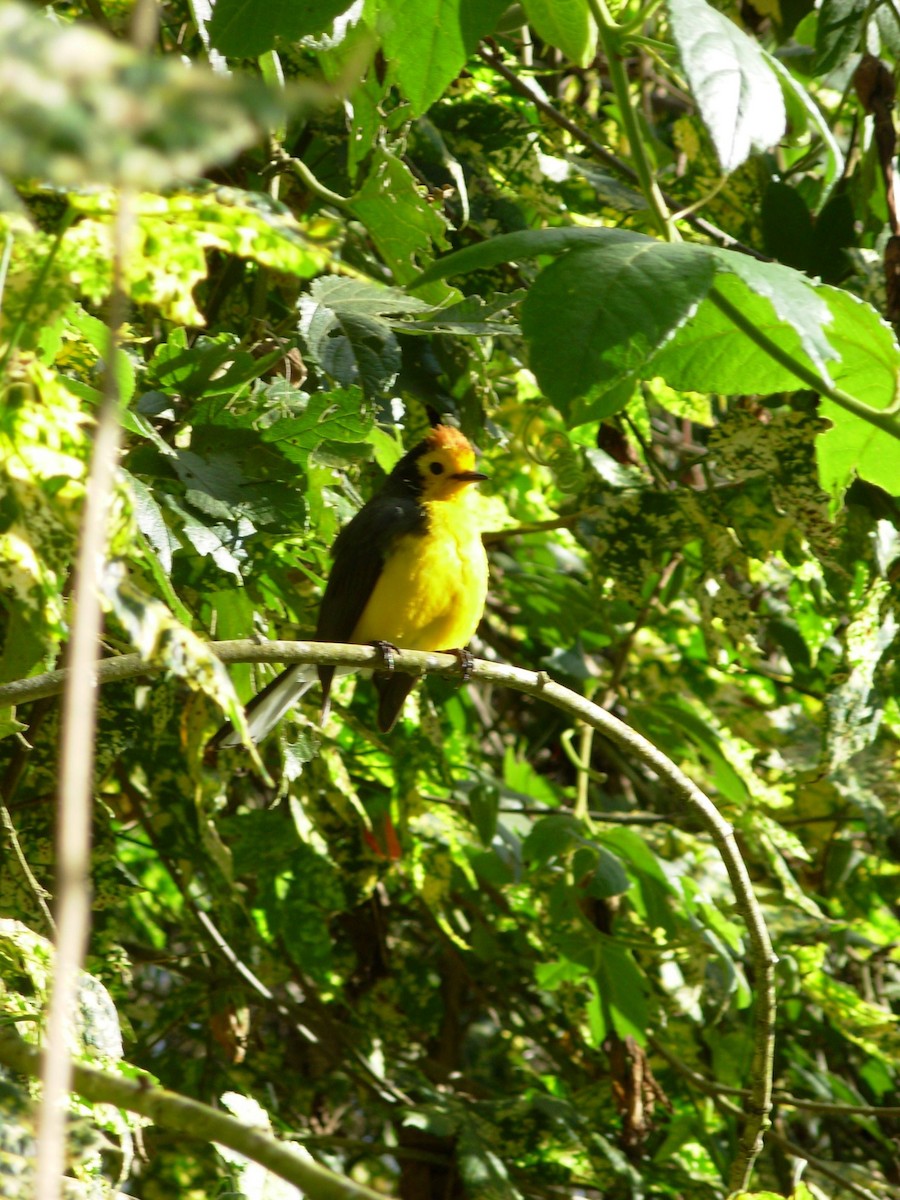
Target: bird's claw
x=387, y=650
x=466, y=661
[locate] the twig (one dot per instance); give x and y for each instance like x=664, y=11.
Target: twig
x=536, y=810
x=183, y=1115
x=493, y=536
x=825, y=1108
x=532, y=92
x=40, y=892
x=288, y=162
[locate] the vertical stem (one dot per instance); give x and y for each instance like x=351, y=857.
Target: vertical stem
x=585, y=748
x=73, y=834
x=609, y=36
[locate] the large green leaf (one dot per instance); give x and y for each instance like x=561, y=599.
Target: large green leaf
x=428, y=41
x=245, y=29
x=738, y=95
x=703, y=319
x=622, y=990
x=598, y=315
x=854, y=447
x=567, y=24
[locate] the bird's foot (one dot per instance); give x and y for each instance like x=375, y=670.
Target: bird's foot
x=388, y=650
x=466, y=662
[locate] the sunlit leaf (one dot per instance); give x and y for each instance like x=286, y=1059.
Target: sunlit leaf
x=738, y=95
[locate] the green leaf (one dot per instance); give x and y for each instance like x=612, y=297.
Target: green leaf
x=738, y=95
x=550, y=837
x=402, y=224
x=150, y=520
x=798, y=95
x=869, y=369
x=177, y=369
x=245, y=28
x=158, y=636
x=351, y=349
x=471, y=316
x=567, y=24
x=484, y=807
x=428, y=41
x=838, y=31
x=336, y=416
x=608, y=878
x=821, y=327
x=525, y=244
x=552, y=975
x=787, y=226
x=622, y=988
x=854, y=447
x=481, y=1170
x=598, y=315
x=359, y=298
x=342, y=322
x=175, y=232
x=97, y=334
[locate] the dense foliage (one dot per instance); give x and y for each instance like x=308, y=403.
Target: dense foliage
x=646, y=260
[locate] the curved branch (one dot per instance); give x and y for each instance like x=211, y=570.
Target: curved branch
x=183, y=1115
x=541, y=685
x=883, y=418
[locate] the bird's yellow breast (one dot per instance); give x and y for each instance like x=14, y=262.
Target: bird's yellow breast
x=431, y=592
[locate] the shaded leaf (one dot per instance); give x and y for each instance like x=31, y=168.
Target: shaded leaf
x=245, y=29
x=838, y=30
x=599, y=315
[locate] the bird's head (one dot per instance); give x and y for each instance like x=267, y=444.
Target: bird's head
x=440, y=467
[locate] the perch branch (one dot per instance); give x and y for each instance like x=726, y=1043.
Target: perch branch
x=169, y=1110
x=538, y=684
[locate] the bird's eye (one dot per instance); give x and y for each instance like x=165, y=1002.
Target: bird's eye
x=436, y=468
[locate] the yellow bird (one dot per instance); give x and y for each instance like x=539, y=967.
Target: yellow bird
x=409, y=571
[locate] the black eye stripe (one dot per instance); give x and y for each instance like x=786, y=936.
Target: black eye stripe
x=436, y=468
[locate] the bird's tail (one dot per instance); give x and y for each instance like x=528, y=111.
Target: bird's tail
x=267, y=707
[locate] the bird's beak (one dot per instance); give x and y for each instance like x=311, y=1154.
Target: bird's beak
x=469, y=476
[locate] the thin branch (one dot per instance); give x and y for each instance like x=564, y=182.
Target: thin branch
x=609, y=37
x=530, y=91
x=492, y=537
x=73, y=834
x=41, y=894
x=537, y=810
x=825, y=1108
x=183, y=1115
x=884, y=419
x=541, y=685
x=287, y=162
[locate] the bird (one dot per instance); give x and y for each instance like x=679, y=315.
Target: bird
x=409, y=572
